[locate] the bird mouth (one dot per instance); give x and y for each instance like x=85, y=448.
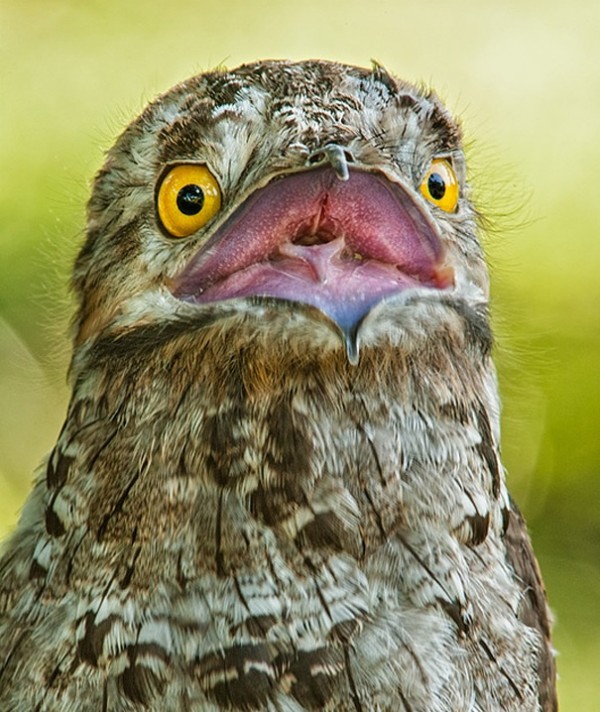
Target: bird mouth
x=339, y=243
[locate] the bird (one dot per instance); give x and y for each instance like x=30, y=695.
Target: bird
x=279, y=483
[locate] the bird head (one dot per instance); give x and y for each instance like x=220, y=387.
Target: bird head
x=309, y=207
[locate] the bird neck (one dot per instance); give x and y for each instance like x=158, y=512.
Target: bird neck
x=294, y=442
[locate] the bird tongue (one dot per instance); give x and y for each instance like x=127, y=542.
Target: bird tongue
x=310, y=237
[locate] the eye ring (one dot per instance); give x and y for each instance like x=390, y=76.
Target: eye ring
x=187, y=197
x=440, y=185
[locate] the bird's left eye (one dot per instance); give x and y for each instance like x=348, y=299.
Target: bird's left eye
x=440, y=185
x=188, y=197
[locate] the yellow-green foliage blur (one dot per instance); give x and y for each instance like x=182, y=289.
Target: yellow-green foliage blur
x=525, y=77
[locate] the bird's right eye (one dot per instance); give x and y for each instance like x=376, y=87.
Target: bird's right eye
x=188, y=197
x=440, y=185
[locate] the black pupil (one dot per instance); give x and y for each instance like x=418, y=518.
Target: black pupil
x=190, y=199
x=436, y=185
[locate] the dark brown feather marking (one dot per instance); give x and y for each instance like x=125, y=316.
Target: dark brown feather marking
x=219, y=560
x=91, y=645
x=36, y=571
x=56, y=475
x=315, y=673
x=140, y=683
x=54, y=526
x=242, y=676
x=479, y=526
x=487, y=450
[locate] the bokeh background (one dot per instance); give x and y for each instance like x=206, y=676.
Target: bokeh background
x=525, y=77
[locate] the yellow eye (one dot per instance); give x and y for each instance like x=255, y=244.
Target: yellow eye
x=440, y=185
x=188, y=197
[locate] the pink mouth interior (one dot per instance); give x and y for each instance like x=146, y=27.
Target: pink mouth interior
x=341, y=246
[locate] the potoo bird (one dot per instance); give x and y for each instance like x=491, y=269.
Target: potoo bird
x=278, y=485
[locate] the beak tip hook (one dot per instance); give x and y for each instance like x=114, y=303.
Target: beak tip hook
x=338, y=158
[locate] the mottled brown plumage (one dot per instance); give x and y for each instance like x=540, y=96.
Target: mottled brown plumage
x=267, y=503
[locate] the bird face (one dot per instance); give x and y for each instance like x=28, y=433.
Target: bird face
x=313, y=197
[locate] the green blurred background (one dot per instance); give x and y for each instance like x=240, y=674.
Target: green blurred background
x=525, y=77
